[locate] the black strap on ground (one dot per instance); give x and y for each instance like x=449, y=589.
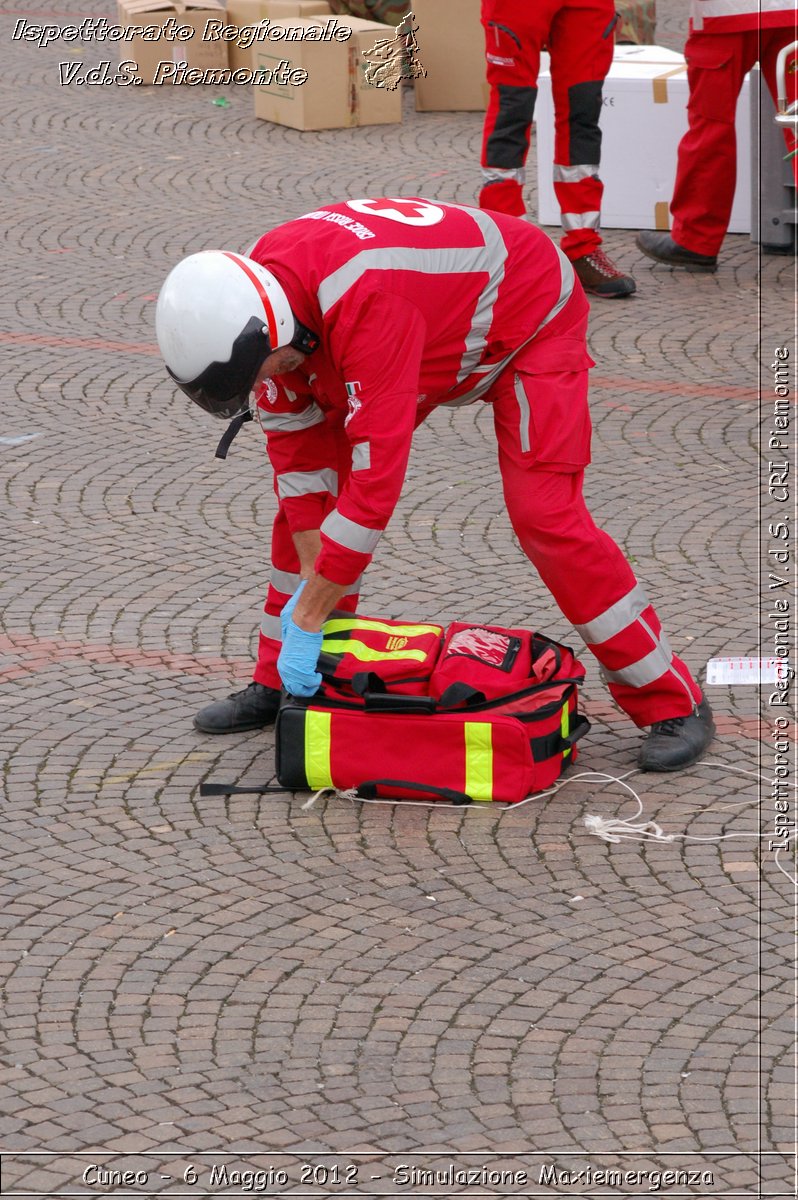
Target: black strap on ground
x=231, y=789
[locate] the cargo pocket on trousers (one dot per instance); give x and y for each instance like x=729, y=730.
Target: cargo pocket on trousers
x=553, y=419
x=713, y=95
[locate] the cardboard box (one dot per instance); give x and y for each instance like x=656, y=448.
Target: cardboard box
x=194, y=51
x=643, y=118
x=335, y=94
x=280, y=10
x=451, y=48
x=243, y=13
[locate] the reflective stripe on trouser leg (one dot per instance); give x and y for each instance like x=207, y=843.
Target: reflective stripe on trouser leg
x=580, y=215
x=588, y=576
x=637, y=655
x=581, y=55
x=505, y=148
x=512, y=60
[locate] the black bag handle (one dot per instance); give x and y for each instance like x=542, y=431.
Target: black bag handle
x=376, y=697
x=387, y=703
x=369, y=790
x=461, y=694
x=579, y=727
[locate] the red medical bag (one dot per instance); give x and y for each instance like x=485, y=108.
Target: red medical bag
x=495, y=718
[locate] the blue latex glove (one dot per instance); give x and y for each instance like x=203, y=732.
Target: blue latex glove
x=288, y=608
x=297, y=662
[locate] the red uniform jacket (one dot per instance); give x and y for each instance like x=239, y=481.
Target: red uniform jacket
x=415, y=302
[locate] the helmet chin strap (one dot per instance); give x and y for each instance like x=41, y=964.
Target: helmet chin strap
x=230, y=433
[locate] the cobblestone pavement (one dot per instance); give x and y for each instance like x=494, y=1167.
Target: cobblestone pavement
x=188, y=977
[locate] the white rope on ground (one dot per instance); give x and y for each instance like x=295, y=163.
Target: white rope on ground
x=609, y=829
x=616, y=830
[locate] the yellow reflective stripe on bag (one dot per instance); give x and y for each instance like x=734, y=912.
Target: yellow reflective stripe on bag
x=364, y=653
x=317, y=749
x=478, y=760
x=341, y=625
x=565, y=726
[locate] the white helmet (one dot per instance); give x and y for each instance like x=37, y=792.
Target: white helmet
x=219, y=315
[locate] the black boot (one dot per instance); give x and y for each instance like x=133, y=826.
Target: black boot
x=253, y=708
x=677, y=742
x=662, y=248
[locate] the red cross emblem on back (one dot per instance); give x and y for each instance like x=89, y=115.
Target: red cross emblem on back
x=405, y=211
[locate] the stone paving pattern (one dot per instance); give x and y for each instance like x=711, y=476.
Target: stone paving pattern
x=249, y=975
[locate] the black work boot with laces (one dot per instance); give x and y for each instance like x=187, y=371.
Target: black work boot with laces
x=677, y=742
x=252, y=708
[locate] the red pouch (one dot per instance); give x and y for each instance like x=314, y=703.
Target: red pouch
x=398, y=655
x=496, y=661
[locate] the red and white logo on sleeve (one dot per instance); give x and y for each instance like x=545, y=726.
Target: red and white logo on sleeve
x=406, y=212
x=353, y=400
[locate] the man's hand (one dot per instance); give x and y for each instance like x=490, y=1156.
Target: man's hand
x=314, y=600
x=298, y=657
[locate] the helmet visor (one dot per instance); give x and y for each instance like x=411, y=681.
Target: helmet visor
x=223, y=388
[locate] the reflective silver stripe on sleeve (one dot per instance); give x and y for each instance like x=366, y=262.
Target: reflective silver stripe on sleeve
x=495, y=258
x=349, y=534
x=566, y=288
x=586, y=220
x=304, y=483
x=615, y=618
x=497, y=174
x=287, y=582
x=270, y=627
x=523, y=414
x=485, y=259
x=645, y=670
x=447, y=260
x=290, y=422
x=575, y=174
x=395, y=258
x=361, y=456
x=493, y=372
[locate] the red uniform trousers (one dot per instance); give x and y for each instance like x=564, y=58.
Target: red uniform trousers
x=578, y=36
x=543, y=429
x=707, y=164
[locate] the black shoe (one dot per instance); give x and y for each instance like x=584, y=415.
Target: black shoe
x=677, y=742
x=662, y=248
x=253, y=708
